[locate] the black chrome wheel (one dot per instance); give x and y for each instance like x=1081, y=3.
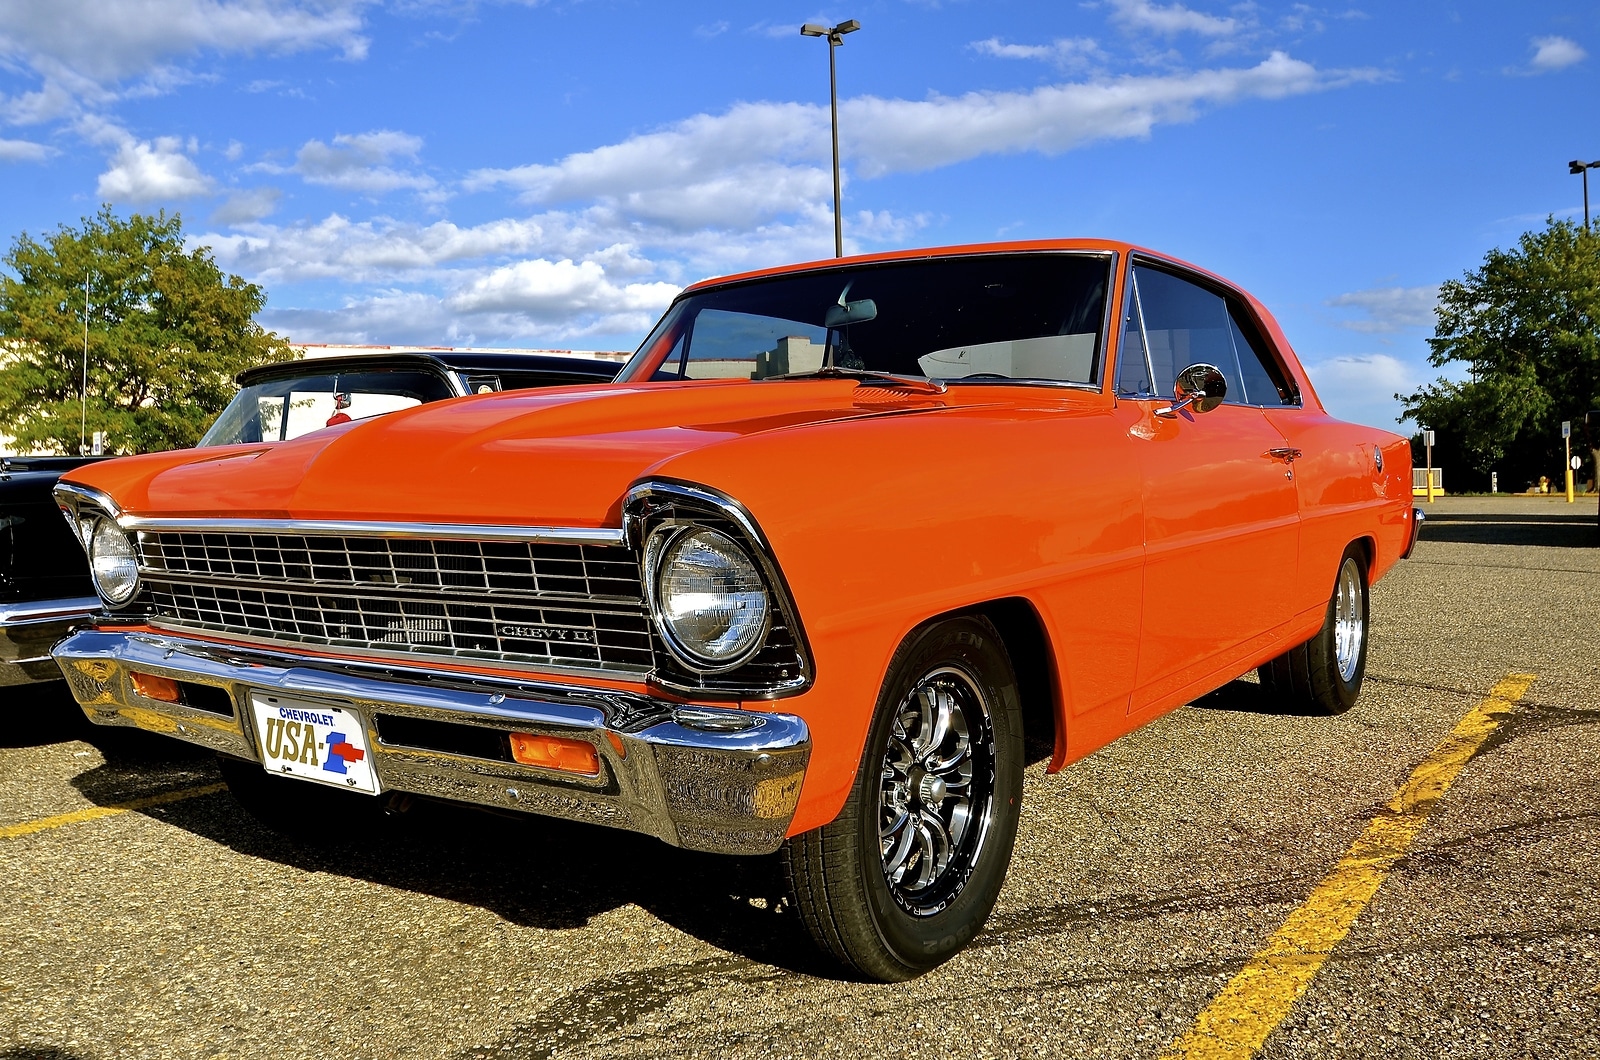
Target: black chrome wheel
x=937, y=791
x=907, y=873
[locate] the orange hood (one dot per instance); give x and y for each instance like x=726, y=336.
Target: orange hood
x=560, y=457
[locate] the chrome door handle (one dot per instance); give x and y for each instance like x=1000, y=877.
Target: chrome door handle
x=1286, y=453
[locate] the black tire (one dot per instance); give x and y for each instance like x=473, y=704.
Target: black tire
x=893, y=929
x=1317, y=677
x=299, y=809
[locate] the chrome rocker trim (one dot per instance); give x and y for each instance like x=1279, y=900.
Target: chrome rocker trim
x=28, y=629
x=704, y=778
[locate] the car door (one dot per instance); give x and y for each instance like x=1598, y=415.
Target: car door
x=1221, y=510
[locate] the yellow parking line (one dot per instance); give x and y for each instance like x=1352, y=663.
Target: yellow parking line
x=94, y=813
x=1237, y=1022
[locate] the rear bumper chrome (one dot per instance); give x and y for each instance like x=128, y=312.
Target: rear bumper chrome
x=705, y=778
x=1417, y=519
x=29, y=629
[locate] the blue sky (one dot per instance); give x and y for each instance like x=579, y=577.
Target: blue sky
x=549, y=174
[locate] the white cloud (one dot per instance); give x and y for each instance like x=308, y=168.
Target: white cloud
x=1555, y=53
x=366, y=251
x=905, y=135
x=694, y=172
x=698, y=171
x=247, y=204
x=1361, y=387
x=538, y=301
x=361, y=162
x=24, y=151
x=150, y=171
x=84, y=48
x=1069, y=53
x=555, y=290
x=1389, y=309
x=1170, y=19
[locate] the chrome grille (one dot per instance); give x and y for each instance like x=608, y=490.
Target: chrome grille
x=568, y=605
x=523, y=568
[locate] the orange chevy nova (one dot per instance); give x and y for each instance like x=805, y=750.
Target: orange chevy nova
x=801, y=580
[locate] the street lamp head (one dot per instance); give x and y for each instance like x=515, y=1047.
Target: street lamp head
x=1574, y=167
x=849, y=25
x=811, y=29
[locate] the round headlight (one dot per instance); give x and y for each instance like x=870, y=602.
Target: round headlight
x=112, y=559
x=709, y=597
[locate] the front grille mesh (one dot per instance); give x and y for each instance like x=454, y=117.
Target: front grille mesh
x=566, y=605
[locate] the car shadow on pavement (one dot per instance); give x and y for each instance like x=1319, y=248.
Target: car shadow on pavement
x=1240, y=695
x=1564, y=530
x=42, y=714
x=535, y=872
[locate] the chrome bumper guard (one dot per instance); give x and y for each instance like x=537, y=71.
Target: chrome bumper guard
x=29, y=629
x=1418, y=517
x=705, y=778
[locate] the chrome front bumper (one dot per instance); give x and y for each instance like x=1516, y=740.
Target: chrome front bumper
x=714, y=779
x=29, y=629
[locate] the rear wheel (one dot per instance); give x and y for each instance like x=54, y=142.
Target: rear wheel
x=908, y=872
x=1323, y=675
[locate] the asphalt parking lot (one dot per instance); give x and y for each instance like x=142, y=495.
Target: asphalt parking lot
x=145, y=915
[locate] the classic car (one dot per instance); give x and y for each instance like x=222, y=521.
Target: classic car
x=45, y=587
x=44, y=581
x=842, y=534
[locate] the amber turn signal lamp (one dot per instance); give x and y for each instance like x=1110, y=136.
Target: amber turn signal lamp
x=553, y=752
x=150, y=686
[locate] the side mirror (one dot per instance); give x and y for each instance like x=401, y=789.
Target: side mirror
x=1199, y=387
x=858, y=312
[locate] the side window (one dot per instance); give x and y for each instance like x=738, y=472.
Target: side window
x=1133, y=372
x=1265, y=382
x=1185, y=324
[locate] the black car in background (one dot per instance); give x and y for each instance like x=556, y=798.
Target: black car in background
x=44, y=579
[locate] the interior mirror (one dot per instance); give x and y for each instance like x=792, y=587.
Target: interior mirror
x=1200, y=386
x=858, y=312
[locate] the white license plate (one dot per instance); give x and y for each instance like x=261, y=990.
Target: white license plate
x=314, y=741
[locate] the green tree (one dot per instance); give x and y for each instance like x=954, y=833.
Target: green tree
x=167, y=332
x=1524, y=325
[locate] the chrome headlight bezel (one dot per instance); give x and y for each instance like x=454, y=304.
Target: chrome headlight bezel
x=113, y=562
x=666, y=545
x=90, y=513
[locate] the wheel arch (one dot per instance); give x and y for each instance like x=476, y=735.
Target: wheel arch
x=1027, y=643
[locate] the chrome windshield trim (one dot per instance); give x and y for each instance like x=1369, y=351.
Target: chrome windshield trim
x=361, y=528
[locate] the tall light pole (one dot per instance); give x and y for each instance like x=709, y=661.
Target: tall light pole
x=1575, y=167
x=83, y=395
x=835, y=38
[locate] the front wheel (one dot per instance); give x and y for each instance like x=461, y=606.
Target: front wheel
x=908, y=872
x=1323, y=675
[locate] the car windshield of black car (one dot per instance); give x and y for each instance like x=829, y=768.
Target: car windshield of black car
x=276, y=410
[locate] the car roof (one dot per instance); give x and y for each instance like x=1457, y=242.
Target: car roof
x=960, y=250
x=444, y=361
x=1027, y=246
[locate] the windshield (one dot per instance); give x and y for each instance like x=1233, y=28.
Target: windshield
x=981, y=317
x=280, y=409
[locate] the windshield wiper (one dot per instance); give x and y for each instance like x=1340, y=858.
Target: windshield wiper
x=869, y=378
